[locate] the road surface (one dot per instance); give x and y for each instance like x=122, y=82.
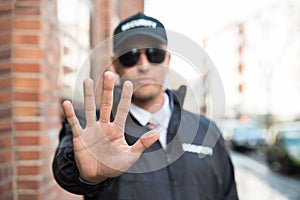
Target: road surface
x=255, y=181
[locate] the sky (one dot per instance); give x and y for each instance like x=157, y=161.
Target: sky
x=199, y=18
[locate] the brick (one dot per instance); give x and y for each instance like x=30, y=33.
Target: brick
x=5, y=126
x=28, y=1
x=32, y=140
x=28, y=170
x=21, y=10
x=35, y=96
x=6, y=172
x=28, y=184
x=6, y=190
x=27, y=140
x=5, y=23
x=5, y=140
x=5, y=113
x=27, y=24
x=26, y=39
x=27, y=155
x=6, y=8
x=32, y=170
x=27, y=126
x=5, y=97
x=5, y=68
x=5, y=53
x=5, y=156
x=32, y=83
x=25, y=196
x=26, y=96
x=5, y=38
x=29, y=53
x=8, y=195
x=33, y=67
x=26, y=111
x=5, y=82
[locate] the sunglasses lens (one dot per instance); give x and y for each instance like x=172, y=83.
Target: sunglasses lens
x=130, y=58
x=156, y=55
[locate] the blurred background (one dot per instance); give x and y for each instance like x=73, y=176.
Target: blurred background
x=255, y=47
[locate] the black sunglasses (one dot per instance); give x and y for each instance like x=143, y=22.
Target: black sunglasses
x=132, y=57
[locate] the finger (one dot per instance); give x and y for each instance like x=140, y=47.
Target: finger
x=71, y=118
x=107, y=97
x=89, y=102
x=145, y=141
x=99, y=87
x=124, y=104
x=98, y=91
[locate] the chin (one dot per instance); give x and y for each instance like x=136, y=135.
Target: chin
x=144, y=96
x=146, y=92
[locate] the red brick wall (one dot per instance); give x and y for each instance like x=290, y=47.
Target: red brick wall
x=6, y=123
x=29, y=101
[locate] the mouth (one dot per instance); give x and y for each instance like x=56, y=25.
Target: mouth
x=144, y=80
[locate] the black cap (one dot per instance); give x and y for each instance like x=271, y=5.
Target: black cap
x=139, y=24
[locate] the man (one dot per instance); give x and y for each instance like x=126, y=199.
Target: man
x=140, y=143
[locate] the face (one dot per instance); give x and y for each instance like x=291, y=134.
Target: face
x=145, y=65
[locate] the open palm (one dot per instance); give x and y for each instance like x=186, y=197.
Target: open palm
x=100, y=148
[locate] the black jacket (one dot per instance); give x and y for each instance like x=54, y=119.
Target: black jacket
x=195, y=165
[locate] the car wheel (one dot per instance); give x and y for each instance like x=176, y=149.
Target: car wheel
x=282, y=167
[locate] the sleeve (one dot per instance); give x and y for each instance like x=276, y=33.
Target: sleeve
x=64, y=167
x=230, y=193
x=225, y=168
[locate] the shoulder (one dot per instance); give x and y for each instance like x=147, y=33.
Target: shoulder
x=206, y=129
x=202, y=120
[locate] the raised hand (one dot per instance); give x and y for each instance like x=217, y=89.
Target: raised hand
x=100, y=148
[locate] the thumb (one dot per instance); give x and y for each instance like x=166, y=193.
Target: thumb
x=145, y=141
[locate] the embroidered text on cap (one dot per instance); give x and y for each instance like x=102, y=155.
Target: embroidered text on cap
x=138, y=23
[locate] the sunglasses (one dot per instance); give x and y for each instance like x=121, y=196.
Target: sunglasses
x=132, y=57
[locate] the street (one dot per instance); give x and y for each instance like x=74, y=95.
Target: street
x=256, y=181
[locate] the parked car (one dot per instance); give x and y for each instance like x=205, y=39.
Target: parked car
x=246, y=135
x=249, y=137
x=283, y=147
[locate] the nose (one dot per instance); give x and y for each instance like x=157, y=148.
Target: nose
x=143, y=58
x=143, y=64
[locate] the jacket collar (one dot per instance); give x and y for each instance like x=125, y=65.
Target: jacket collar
x=178, y=94
x=133, y=129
